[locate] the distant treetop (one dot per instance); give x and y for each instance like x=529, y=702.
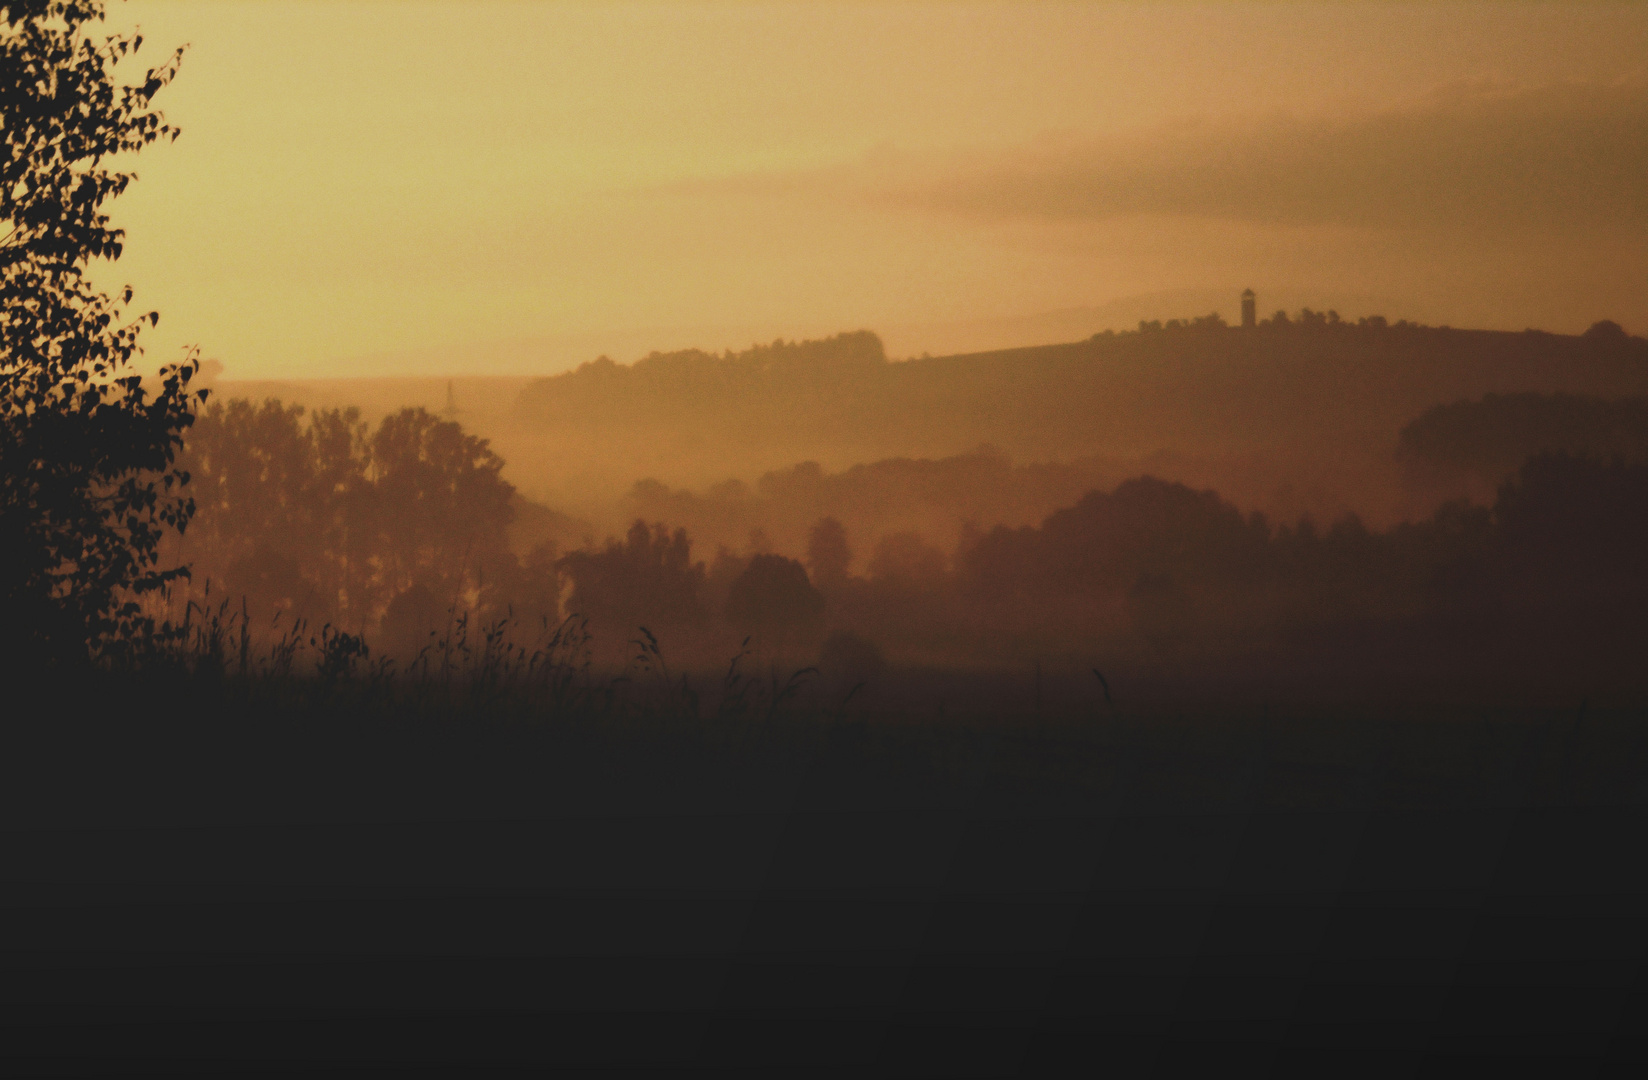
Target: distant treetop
x=852, y=347
x=1605, y=332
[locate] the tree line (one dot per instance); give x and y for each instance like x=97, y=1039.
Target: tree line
x=393, y=531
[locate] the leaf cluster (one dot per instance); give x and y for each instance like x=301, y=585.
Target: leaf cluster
x=87, y=483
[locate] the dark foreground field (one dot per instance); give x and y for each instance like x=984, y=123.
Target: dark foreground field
x=1140, y=891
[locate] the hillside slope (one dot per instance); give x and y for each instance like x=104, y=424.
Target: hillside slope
x=1315, y=406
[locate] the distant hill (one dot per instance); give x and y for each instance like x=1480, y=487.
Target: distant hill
x=1310, y=388
x=1293, y=417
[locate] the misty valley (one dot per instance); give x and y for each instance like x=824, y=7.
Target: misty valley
x=1302, y=509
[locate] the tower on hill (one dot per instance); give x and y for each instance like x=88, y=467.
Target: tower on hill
x=1250, y=309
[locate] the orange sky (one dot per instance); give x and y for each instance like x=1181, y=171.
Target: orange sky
x=408, y=187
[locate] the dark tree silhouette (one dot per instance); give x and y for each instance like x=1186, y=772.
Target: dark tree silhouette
x=1573, y=531
x=648, y=580
x=87, y=483
x=1486, y=442
x=450, y=507
x=773, y=596
x=1607, y=331
x=828, y=554
x=332, y=520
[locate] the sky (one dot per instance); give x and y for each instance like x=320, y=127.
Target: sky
x=409, y=187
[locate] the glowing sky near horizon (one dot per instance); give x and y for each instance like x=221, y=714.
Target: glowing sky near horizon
x=385, y=188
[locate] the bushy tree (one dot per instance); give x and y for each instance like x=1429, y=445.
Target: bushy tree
x=332, y=520
x=444, y=498
x=773, y=597
x=647, y=580
x=87, y=483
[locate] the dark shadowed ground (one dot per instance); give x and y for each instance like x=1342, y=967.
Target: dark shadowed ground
x=1139, y=891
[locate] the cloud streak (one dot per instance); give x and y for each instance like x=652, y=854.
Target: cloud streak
x=1483, y=160
x=1564, y=159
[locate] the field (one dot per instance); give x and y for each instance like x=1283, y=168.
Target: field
x=207, y=880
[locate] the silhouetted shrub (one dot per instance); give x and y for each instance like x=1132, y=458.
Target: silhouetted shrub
x=773, y=596
x=648, y=579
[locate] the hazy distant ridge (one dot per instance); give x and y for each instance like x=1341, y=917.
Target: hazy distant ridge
x=1183, y=387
